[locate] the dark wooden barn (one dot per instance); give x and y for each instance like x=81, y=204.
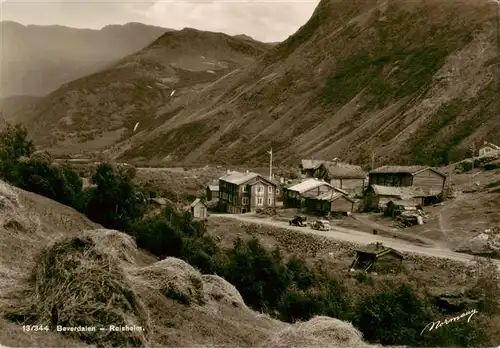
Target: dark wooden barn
x=377, y=258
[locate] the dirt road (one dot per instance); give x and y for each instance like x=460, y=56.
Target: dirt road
x=353, y=236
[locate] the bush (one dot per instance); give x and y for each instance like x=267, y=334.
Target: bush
x=260, y=276
x=158, y=237
x=301, y=274
x=395, y=318
x=299, y=305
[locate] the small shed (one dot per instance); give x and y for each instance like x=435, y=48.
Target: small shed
x=396, y=207
x=376, y=257
x=199, y=209
x=212, y=192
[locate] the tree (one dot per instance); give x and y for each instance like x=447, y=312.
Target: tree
x=115, y=202
x=14, y=143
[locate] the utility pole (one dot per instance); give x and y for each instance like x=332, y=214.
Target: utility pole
x=270, y=164
x=473, y=149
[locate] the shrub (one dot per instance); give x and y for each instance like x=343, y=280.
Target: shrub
x=301, y=274
x=35, y=175
x=395, y=318
x=299, y=305
x=260, y=276
x=158, y=237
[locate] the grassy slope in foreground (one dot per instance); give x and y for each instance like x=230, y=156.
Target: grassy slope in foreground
x=99, y=277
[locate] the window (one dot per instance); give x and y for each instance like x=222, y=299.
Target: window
x=244, y=188
x=277, y=191
x=270, y=189
x=244, y=201
x=260, y=201
x=269, y=201
x=260, y=188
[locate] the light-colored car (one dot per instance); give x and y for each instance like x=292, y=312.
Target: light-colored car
x=321, y=225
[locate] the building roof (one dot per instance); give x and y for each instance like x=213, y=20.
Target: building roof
x=398, y=169
x=307, y=185
x=196, y=201
x=327, y=196
x=344, y=170
x=404, y=169
x=213, y=187
x=377, y=249
x=239, y=178
x=311, y=164
x=401, y=191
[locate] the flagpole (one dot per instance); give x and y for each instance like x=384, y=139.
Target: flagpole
x=270, y=164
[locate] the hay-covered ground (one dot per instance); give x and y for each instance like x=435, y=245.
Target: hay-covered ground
x=59, y=269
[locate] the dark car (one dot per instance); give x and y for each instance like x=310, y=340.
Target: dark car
x=298, y=221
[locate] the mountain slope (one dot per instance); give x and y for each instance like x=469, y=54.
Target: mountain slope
x=15, y=105
x=411, y=80
x=105, y=107
x=38, y=59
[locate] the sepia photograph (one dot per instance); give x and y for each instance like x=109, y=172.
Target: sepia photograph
x=249, y=173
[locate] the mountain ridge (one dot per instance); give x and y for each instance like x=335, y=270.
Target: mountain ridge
x=386, y=82
x=388, y=78
x=38, y=59
x=137, y=87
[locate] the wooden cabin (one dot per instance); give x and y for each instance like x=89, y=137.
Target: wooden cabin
x=377, y=197
x=335, y=202
x=348, y=177
x=377, y=258
x=295, y=196
x=427, y=179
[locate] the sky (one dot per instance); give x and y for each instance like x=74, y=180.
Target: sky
x=264, y=20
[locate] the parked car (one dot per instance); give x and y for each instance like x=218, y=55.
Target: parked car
x=321, y=225
x=298, y=221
